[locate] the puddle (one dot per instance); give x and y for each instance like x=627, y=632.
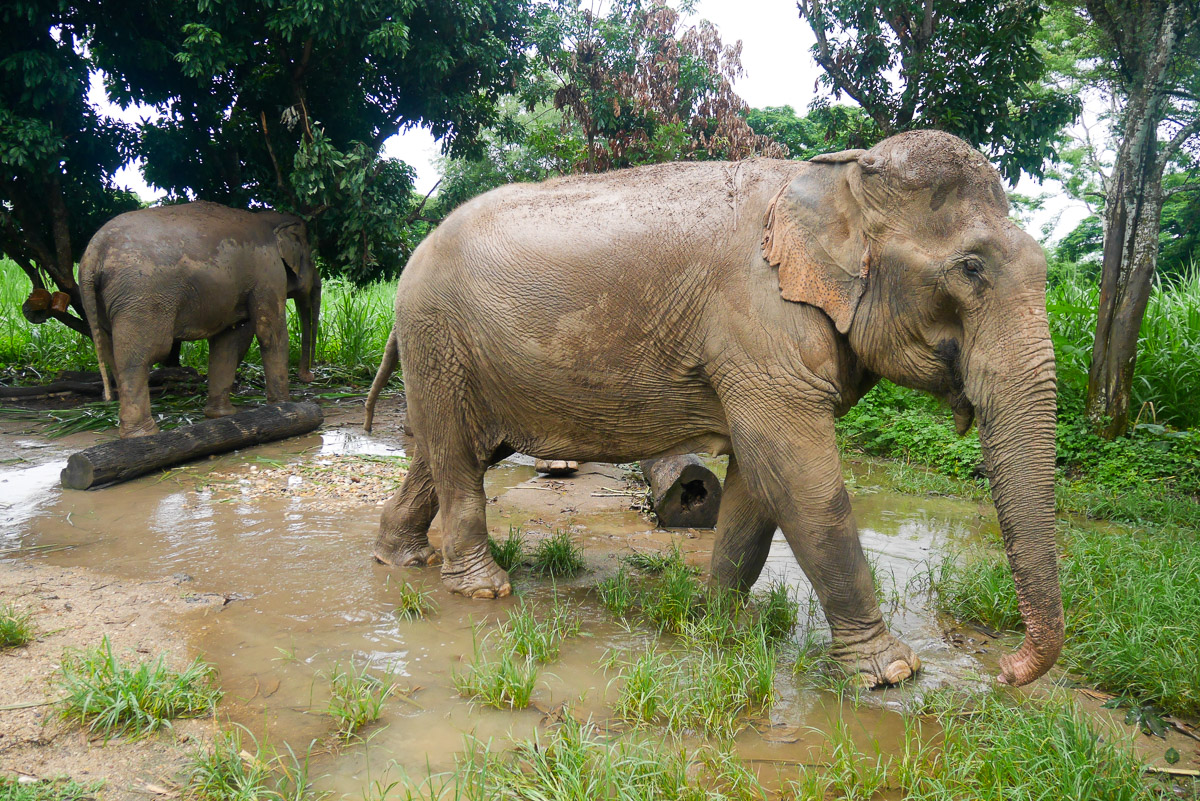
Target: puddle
x=309, y=595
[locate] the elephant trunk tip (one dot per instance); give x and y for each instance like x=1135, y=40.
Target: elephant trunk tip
x=1035, y=656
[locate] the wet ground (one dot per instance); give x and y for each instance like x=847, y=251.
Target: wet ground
x=283, y=534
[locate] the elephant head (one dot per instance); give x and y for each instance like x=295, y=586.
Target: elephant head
x=303, y=286
x=909, y=250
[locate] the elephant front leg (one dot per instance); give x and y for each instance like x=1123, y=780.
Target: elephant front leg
x=270, y=327
x=225, y=352
x=744, y=531
x=795, y=468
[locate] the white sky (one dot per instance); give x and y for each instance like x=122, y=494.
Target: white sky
x=779, y=71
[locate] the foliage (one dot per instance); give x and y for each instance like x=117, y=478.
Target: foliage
x=824, y=129
x=971, y=69
x=1131, y=600
x=640, y=86
x=58, y=155
x=504, y=682
x=110, y=697
x=509, y=552
x=289, y=105
x=16, y=627
x=524, y=635
x=412, y=602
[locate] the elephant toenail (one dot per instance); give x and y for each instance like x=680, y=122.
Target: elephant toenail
x=897, y=672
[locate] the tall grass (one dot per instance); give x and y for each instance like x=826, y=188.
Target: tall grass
x=1132, y=601
x=1166, y=381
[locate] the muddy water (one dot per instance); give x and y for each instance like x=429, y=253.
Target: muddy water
x=304, y=595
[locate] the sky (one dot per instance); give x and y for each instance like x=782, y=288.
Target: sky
x=779, y=70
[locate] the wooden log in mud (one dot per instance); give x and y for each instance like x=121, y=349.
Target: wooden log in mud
x=686, y=494
x=123, y=459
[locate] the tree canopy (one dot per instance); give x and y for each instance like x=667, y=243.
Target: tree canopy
x=971, y=69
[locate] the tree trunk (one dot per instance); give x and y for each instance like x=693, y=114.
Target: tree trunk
x=123, y=459
x=1133, y=211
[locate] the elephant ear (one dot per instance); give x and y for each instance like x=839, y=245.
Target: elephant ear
x=290, y=239
x=814, y=234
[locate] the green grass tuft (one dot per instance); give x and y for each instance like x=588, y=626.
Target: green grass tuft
x=523, y=634
x=16, y=627
x=509, y=552
x=504, y=681
x=558, y=555
x=617, y=593
x=412, y=602
x=228, y=771
x=110, y=697
x=12, y=789
x=356, y=697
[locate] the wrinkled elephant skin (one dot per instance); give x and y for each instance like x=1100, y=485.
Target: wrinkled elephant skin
x=734, y=309
x=156, y=277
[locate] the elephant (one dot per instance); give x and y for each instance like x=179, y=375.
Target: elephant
x=734, y=308
x=155, y=277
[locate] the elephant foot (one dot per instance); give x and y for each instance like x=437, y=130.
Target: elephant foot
x=305, y=376
x=223, y=409
x=879, y=661
x=480, y=578
x=138, y=430
x=411, y=556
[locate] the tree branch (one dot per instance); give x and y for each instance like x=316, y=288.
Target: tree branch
x=1171, y=147
x=416, y=214
x=824, y=58
x=1175, y=190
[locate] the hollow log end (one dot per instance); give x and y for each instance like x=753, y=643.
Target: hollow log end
x=78, y=473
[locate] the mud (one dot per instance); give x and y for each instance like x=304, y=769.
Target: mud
x=275, y=544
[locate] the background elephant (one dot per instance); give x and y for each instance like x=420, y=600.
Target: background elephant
x=155, y=277
x=737, y=309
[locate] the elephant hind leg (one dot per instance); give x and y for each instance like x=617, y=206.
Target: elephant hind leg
x=744, y=531
x=137, y=345
x=225, y=352
x=404, y=526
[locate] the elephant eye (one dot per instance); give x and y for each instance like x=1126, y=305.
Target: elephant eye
x=971, y=266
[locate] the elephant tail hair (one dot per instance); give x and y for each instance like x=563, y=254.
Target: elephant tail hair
x=88, y=276
x=391, y=357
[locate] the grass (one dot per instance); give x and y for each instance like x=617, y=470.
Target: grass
x=502, y=681
x=653, y=562
x=356, y=697
x=617, y=593
x=557, y=555
x=110, y=697
x=509, y=552
x=228, y=771
x=1132, y=600
x=16, y=627
x=12, y=789
x=524, y=635
x=412, y=602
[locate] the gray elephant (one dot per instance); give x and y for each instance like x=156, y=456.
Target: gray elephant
x=735, y=309
x=155, y=277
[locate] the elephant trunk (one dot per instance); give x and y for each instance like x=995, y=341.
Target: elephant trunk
x=309, y=308
x=1013, y=390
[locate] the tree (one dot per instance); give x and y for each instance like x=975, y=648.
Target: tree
x=824, y=129
x=971, y=69
x=289, y=104
x=57, y=155
x=640, y=86
x=1145, y=57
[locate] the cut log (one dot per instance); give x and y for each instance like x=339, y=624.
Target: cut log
x=123, y=459
x=685, y=493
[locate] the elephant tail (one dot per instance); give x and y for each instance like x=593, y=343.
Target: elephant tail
x=89, y=274
x=391, y=357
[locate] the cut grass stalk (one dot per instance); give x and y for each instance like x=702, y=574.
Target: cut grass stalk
x=557, y=556
x=16, y=627
x=110, y=697
x=356, y=697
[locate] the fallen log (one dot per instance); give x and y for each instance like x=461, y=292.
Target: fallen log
x=89, y=383
x=685, y=493
x=123, y=459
